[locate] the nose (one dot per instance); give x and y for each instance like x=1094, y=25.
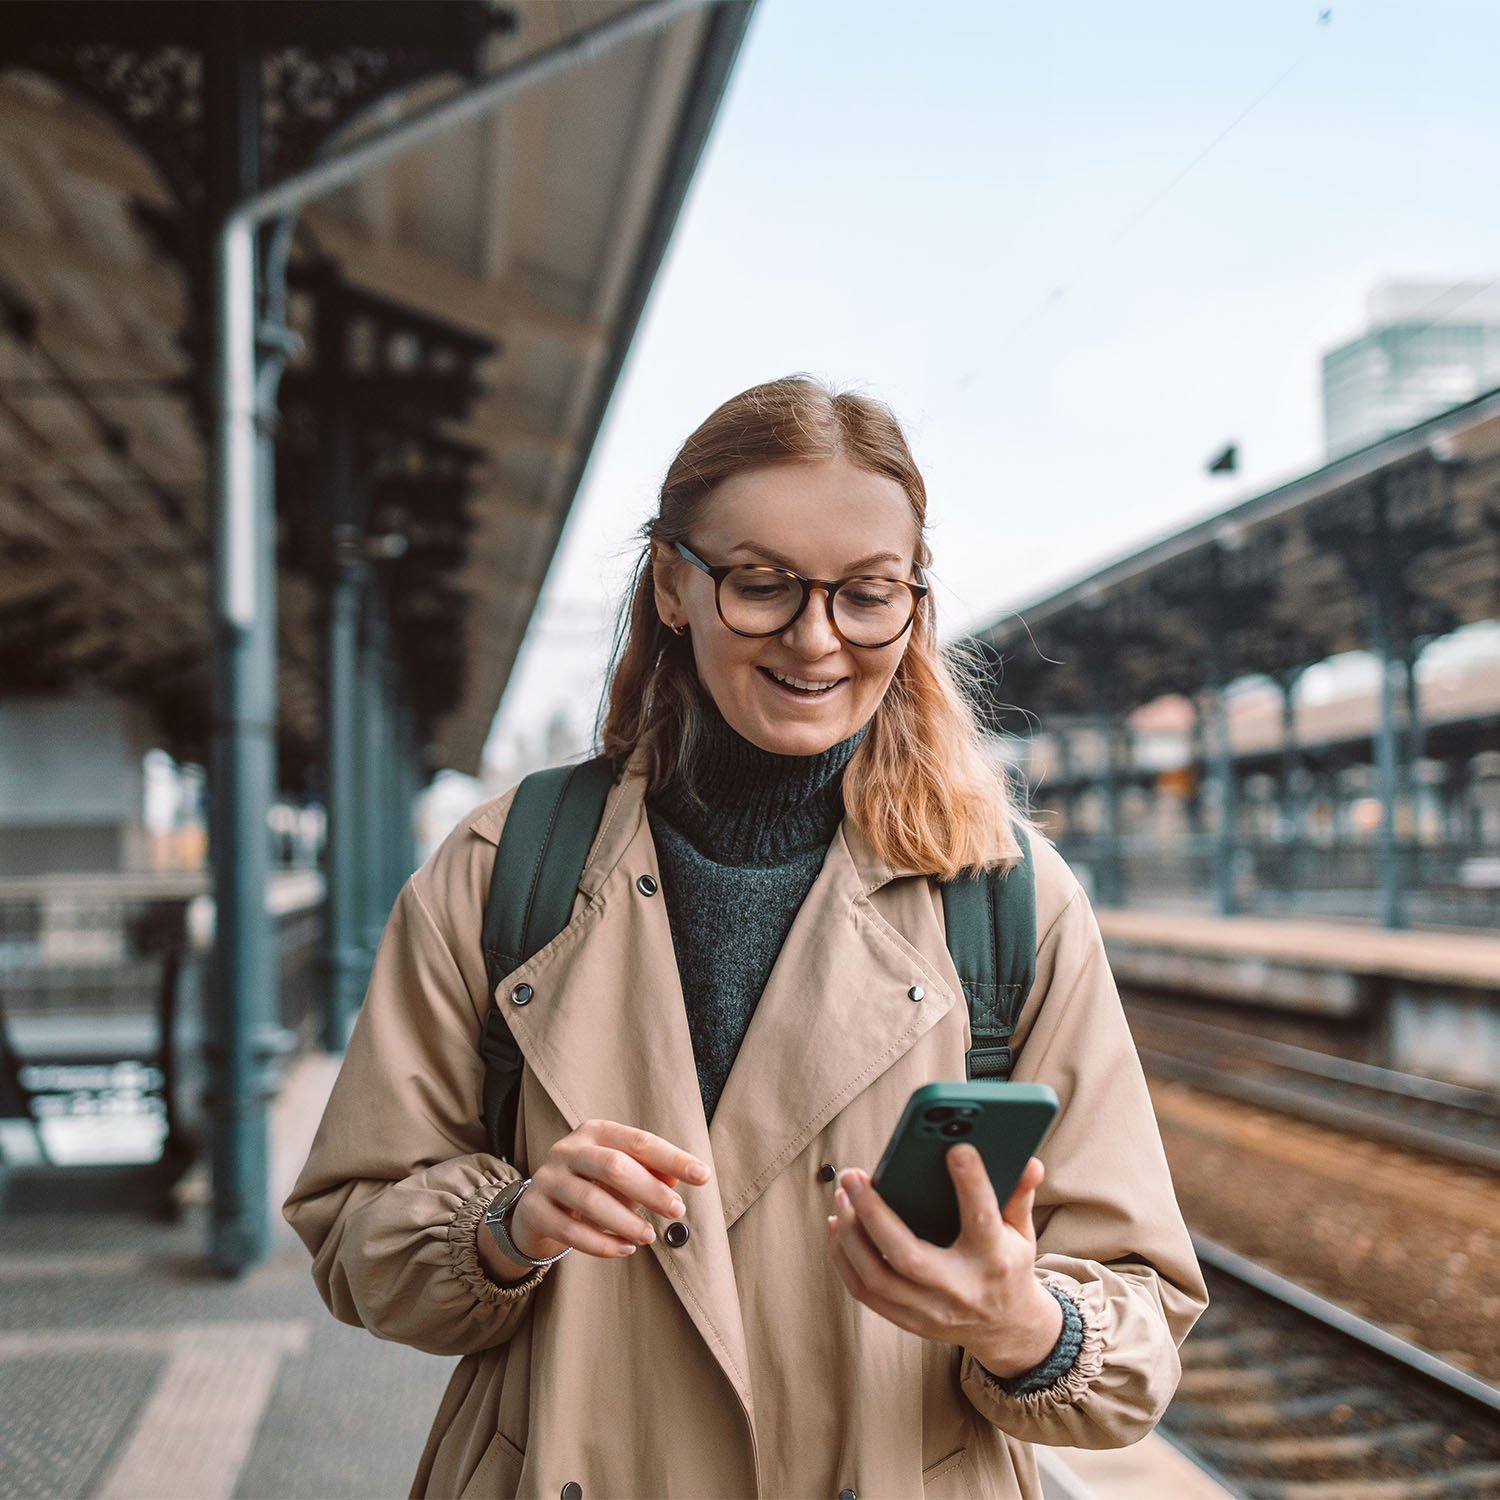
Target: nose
x=811, y=635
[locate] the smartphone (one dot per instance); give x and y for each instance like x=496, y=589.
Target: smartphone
x=1005, y=1121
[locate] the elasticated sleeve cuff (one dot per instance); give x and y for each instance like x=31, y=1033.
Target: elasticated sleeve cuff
x=1057, y=1364
x=1031, y=1395
x=463, y=1241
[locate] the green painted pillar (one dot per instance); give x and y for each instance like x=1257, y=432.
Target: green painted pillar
x=348, y=962
x=374, y=747
x=1383, y=587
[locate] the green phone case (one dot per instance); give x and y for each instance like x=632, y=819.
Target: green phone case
x=1006, y=1121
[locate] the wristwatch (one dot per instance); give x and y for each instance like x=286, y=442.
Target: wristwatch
x=497, y=1221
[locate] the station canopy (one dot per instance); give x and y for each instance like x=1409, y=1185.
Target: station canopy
x=521, y=248
x=1272, y=585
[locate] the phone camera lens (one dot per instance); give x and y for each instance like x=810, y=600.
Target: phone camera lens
x=937, y=1115
x=956, y=1128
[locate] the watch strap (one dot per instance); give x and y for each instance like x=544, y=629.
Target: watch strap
x=497, y=1221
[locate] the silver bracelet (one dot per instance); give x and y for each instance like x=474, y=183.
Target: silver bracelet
x=497, y=1221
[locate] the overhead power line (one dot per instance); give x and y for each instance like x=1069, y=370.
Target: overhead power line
x=1136, y=216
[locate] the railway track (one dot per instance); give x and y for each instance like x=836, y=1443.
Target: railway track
x=1422, y=1114
x=1285, y=1396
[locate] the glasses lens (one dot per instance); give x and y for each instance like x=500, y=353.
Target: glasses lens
x=762, y=601
x=872, y=611
x=759, y=601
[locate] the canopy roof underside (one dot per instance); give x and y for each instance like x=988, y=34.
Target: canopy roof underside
x=537, y=230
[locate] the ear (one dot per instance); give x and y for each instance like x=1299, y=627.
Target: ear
x=666, y=578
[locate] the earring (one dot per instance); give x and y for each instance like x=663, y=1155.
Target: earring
x=678, y=629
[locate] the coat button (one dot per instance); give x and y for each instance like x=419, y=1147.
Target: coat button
x=827, y=1172
x=647, y=885
x=522, y=994
x=677, y=1234
x=916, y=992
x=572, y=1490
x=848, y=1495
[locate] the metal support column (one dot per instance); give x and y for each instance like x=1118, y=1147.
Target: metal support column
x=243, y=756
x=1220, y=752
x=399, y=813
x=347, y=959
x=1289, y=813
x=1414, y=741
x=1386, y=751
x=374, y=745
x=1108, y=882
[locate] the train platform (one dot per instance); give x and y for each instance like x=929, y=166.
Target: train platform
x=1468, y=959
x=128, y=1371
x=1420, y=1002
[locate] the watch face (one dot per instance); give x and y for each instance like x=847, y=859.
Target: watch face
x=503, y=1200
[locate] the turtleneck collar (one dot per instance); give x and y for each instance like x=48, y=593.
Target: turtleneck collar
x=742, y=805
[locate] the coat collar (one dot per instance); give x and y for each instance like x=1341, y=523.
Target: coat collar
x=625, y=813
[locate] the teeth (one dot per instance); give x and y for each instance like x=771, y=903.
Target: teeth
x=803, y=683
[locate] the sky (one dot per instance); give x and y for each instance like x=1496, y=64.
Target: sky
x=1078, y=248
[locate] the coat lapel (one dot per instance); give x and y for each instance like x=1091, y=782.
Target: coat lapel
x=835, y=1014
x=606, y=1035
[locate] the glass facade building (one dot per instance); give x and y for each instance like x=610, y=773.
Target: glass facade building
x=1428, y=347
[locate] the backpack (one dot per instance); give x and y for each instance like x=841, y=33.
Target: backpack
x=990, y=920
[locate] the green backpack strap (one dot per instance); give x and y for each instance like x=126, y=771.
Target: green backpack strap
x=543, y=848
x=991, y=922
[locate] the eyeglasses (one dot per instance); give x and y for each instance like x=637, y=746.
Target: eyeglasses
x=754, y=600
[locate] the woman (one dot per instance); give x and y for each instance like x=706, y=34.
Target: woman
x=721, y=1041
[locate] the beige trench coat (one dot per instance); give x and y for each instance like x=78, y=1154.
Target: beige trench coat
x=736, y=1364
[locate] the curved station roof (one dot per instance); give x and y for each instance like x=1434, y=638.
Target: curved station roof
x=1275, y=584
x=486, y=288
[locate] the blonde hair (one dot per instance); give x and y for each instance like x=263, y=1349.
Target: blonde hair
x=919, y=787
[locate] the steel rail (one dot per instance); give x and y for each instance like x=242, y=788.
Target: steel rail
x=1327, y=1065
x=1305, y=1106
x=1278, y=1403
x=1373, y=1118
x=1371, y=1335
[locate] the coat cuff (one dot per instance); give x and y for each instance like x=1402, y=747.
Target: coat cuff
x=1062, y=1358
x=1025, y=1393
x=463, y=1242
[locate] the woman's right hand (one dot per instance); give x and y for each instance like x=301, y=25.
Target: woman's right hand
x=587, y=1192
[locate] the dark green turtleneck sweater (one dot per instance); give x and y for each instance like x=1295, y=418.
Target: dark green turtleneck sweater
x=740, y=839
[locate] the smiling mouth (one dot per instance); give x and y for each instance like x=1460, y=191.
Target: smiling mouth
x=803, y=687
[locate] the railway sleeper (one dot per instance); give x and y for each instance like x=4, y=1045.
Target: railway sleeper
x=1333, y=1448
x=1224, y=1348
x=1263, y=1381
x=1354, y=1404
x=1475, y=1482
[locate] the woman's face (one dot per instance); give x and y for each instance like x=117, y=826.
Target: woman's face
x=822, y=520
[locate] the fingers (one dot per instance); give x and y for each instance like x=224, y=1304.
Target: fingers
x=978, y=1208
x=540, y=1226
x=1017, y=1211
x=865, y=1284
x=622, y=1176
x=882, y=1248
x=595, y=1185
x=658, y=1156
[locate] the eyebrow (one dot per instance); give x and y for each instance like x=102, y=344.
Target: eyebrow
x=849, y=569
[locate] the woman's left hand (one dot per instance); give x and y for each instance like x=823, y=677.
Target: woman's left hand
x=980, y=1293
